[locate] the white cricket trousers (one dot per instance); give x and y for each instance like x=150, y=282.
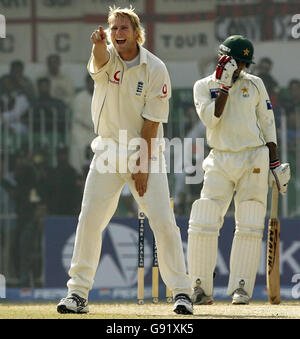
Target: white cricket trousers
x=100, y=201
x=243, y=175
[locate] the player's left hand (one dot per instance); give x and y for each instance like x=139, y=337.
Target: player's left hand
x=281, y=175
x=141, y=182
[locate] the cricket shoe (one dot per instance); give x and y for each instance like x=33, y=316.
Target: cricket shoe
x=73, y=304
x=199, y=297
x=183, y=304
x=240, y=296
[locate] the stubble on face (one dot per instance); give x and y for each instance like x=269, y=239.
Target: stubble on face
x=124, y=38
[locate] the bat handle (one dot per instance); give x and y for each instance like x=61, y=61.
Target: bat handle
x=274, y=204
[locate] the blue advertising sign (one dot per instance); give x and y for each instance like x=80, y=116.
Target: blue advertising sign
x=116, y=277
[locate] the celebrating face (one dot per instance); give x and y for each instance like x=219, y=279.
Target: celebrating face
x=124, y=38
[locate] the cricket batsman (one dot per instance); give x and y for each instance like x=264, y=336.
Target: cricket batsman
x=132, y=92
x=236, y=110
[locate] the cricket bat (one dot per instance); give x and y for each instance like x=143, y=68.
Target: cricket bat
x=273, y=251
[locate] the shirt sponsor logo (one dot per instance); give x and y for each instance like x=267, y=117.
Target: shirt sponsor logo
x=116, y=79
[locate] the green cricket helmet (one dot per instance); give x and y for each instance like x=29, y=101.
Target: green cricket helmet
x=239, y=48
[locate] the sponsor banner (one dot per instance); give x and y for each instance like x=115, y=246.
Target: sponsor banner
x=185, y=41
x=130, y=294
x=283, y=27
x=102, y=6
x=58, y=9
x=248, y=26
x=184, y=6
x=13, y=46
x=16, y=9
x=116, y=276
x=237, y=2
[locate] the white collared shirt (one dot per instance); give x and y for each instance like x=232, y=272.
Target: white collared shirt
x=124, y=97
x=247, y=120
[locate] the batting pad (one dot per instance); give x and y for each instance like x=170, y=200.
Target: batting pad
x=247, y=246
x=205, y=217
x=202, y=258
x=205, y=223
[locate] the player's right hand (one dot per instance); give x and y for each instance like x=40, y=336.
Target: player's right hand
x=280, y=175
x=225, y=69
x=99, y=36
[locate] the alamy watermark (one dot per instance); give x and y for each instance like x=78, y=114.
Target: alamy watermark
x=2, y=27
x=296, y=288
x=296, y=28
x=2, y=287
x=180, y=156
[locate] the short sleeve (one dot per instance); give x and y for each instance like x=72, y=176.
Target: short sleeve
x=158, y=95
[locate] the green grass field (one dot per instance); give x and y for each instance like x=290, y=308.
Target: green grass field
x=219, y=310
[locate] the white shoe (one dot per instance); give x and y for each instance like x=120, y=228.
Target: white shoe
x=73, y=304
x=183, y=304
x=240, y=297
x=199, y=297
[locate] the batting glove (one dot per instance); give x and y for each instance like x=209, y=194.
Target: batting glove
x=224, y=72
x=281, y=175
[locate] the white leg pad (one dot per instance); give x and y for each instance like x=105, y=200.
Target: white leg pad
x=247, y=246
x=205, y=223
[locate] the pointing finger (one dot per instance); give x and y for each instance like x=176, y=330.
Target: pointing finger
x=102, y=32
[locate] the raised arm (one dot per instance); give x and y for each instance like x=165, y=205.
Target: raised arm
x=100, y=53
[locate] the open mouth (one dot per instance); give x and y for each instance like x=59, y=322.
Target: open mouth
x=120, y=41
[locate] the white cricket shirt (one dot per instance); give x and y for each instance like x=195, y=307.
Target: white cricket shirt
x=124, y=97
x=247, y=120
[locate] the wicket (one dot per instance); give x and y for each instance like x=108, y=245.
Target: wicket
x=155, y=266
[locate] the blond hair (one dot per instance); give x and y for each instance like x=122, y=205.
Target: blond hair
x=115, y=12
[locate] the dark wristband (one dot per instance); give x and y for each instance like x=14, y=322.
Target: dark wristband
x=225, y=90
x=274, y=164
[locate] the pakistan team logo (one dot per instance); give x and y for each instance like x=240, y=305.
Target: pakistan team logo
x=245, y=92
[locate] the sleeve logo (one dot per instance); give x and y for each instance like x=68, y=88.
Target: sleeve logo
x=164, y=92
x=269, y=105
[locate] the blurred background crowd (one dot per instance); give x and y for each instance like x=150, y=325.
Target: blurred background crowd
x=46, y=131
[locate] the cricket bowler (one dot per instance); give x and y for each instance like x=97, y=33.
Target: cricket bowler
x=132, y=92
